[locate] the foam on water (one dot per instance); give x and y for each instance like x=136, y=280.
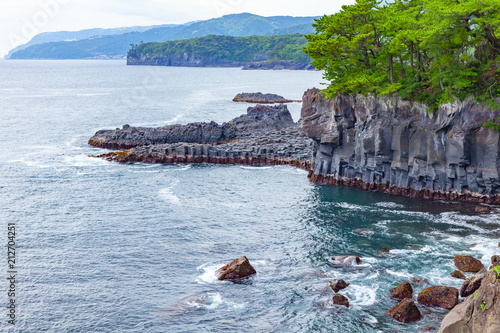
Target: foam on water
x=254, y=168
x=362, y=296
x=389, y=205
x=207, y=275
x=168, y=195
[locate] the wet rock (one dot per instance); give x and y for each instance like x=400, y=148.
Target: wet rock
x=420, y=281
x=477, y=313
x=457, y=274
x=236, y=269
x=482, y=209
x=440, y=296
x=472, y=284
x=467, y=263
x=348, y=260
x=428, y=329
x=338, y=299
x=405, y=311
x=384, y=250
x=495, y=260
x=337, y=285
x=261, y=98
x=402, y=291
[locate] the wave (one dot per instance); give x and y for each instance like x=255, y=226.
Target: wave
x=389, y=205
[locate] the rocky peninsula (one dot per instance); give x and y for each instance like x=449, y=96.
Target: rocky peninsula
x=375, y=143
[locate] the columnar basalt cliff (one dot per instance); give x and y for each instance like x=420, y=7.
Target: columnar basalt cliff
x=398, y=147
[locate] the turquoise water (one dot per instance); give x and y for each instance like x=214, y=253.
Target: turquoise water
x=105, y=247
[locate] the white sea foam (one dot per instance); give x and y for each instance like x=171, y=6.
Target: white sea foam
x=173, y=120
x=168, y=195
x=401, y=274
x=389, y=205
x=255, y=167
x=349, y=206
x=362, y=295
x=207, y=275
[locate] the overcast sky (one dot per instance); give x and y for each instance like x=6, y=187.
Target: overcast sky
x=20, y=20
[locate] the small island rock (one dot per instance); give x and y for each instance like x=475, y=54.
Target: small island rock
x=261, y=98
x=236, y=269
x=339, y=284
x=402, y=291
x=338, y=299
x=405, y=311
x=468, y=263
x=440, y=296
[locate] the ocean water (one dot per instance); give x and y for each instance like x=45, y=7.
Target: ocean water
x=105, y=247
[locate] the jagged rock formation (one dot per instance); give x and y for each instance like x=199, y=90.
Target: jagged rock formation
x=266, y=135
x=257, y=119
x=261, y=98
x=480, y=312
x=237, y=269
x=398, y=147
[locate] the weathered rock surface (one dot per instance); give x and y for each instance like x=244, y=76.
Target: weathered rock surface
x=338, y=284
x=471, y=284
x=258, y=119
x=467, y=263
x=397, y=147
x=402, y=291
x=261, y=98
x=495, y=260
x=405, y=311
x=237, y=269
x=457, y=274
x=479, y=312
x=347, y=260
x=441, y=296
x=338, y=299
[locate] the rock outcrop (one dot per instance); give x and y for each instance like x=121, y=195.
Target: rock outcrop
x=237, y=269
x=440, y=296
x=398, y=147
x=402, y=291
x=479, y=312
x=261, y=98
x=338, y=284
x=471, y=284
x=405, y=311
x=338, y=299
x=467, y=263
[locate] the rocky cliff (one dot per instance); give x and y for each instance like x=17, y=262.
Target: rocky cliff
x=479, y=312
x=399, y=147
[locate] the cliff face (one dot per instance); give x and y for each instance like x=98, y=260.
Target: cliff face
x=398, y=147
x=479, y=312
x=181, y=59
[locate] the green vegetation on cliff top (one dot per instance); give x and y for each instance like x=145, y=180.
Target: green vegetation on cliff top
x=238, y=49
x=433, y=51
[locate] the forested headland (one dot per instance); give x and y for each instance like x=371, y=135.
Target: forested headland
x=431, y=51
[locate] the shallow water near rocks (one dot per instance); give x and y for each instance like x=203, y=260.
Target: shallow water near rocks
x=105, y=247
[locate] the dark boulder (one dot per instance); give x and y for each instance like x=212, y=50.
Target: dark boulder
x=458, y=274
x=440, y=296
x=472, y=284
x=405, y=311
x=338, y=299
x=468, y=263
x=337, y=285
x=236, y=269
x=402, y=291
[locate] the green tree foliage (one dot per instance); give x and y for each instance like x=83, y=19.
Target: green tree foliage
x=432, y=51
x=238, y=49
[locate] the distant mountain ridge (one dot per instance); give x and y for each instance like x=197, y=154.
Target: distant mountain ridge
x=117, y=45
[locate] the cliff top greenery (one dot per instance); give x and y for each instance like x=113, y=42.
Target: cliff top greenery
x=432, y=51
x=239, y=49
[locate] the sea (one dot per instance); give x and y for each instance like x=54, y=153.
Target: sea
x=98, y=246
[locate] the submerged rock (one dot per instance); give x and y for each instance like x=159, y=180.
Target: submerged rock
x=338, y=284
x=236, y=269
x=348, y=260
x=261, y=98
x=338, y=299
x=457, y=274
x=405, y=311
x=402, y=291
x=440, y=296
x=468, y=263
x=479, y=312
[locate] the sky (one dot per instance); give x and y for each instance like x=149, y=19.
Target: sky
x=20, y=20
